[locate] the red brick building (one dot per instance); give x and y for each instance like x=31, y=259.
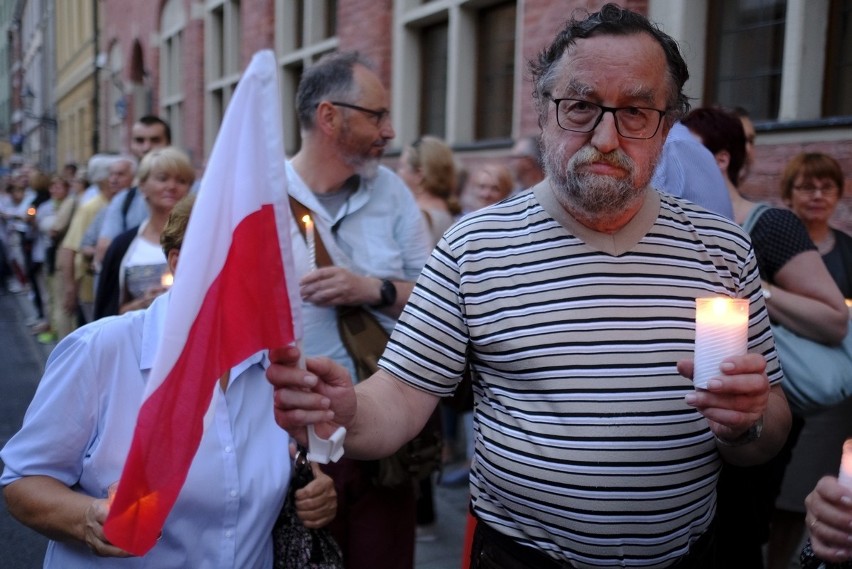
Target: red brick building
x=457, y=68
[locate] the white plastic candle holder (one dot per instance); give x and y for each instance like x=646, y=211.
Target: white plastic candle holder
x=721, y=331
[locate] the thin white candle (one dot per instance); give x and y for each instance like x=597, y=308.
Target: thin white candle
x=845, y=476
x=310, y=240
x=721, y=331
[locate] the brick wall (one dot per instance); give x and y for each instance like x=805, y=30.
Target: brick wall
x=365, y=26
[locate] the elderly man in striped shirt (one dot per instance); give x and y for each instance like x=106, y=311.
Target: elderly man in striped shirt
x=574, y=306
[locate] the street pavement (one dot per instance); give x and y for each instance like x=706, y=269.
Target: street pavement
x=21, y=364
x=451, y=516
x=22, y=361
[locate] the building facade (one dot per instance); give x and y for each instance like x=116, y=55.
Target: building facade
x=455, y=68
x=76, y=74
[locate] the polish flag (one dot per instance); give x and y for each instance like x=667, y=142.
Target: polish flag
x=230, y=300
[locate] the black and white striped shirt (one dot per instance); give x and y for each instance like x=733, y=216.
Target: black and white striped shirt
x=584, y=447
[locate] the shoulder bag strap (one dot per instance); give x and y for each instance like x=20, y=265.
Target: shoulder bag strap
x=753, y=216
x=299, y=211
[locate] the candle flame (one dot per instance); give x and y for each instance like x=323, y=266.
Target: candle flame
x=849, y=302
x=31, y=211
x=306, y=219
x=167, y=279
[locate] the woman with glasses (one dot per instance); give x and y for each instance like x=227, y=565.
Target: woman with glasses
x=801, y=295
x=811, y=186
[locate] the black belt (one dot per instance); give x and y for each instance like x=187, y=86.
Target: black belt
x=491, y=543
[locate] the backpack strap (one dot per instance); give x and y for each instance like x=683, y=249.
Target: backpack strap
x=125, y=205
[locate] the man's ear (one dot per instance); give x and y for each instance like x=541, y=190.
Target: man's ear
x=723, y=159
x=328, y=117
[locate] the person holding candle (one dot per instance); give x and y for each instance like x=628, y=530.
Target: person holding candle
x=132, y=269
x=811, y=186
x=829, y=518
x=71, y=449
x=376, y=237
x=800, y=294
x=574, y=303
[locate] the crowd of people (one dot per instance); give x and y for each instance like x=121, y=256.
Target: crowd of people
x=552, y=292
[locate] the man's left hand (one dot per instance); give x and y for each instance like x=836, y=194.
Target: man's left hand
x=336, y=286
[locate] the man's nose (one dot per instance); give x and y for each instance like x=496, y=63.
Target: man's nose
x=605, y=134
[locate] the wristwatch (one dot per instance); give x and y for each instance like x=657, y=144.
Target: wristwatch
x=752, y=434
x=388, y=293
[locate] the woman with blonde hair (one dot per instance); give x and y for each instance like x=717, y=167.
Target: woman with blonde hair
x=134, y=265
x=429, y=169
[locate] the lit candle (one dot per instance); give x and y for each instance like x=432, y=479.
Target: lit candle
x=309, y=239
x=167, y=279
x=721, y=331
x=31, y=211
x=845, y=476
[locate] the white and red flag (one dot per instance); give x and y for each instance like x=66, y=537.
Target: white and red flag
x=230, y=300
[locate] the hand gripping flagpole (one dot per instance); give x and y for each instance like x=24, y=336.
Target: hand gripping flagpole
x=319, y=449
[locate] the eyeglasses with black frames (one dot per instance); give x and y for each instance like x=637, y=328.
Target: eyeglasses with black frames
x=828, y=190
x=378, y=115
x=577, y=115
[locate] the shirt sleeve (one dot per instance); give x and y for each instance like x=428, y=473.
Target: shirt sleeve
x=60, y=422
x=778, y=236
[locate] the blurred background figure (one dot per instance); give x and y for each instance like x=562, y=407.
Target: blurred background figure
x=751, y=137
x=16, y=227
x=487, y=185
x=73, y=261
x=429, y=170
x=63, y=321
x=811, y=186
x=688, y=170
x=44, y=252
x=526, y=163
x=134, y=265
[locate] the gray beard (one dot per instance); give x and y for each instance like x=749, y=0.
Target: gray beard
x=367, y=168
x=364, y=165
x=592, y=195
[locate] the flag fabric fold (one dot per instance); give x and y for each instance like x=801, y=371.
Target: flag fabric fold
x=230, y=300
